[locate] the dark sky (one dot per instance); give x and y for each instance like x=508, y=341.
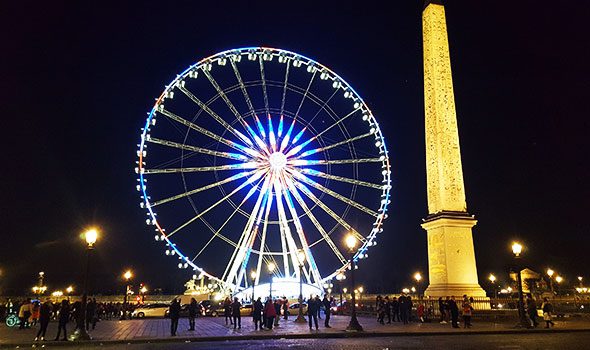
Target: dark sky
x=78, y=79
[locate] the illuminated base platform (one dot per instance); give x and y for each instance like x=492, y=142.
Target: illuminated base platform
x=281, y=287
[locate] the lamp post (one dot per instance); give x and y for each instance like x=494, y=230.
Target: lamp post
x=300, y=318
x=354, y=325
x=558, y=279
x=492, y=279
x=81, y=333
x=580, y=278
x=340, y=277
x=271, y=267
x=418, y=278
x=550, y=273
x=517, y=250
x=127, y=276
x=253, y=275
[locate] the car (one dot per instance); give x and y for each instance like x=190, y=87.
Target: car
x=151, y=310
x=246, y=310
x=294, y=309
x=211, y=309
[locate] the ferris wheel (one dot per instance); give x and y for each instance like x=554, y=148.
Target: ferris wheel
x=255, y=164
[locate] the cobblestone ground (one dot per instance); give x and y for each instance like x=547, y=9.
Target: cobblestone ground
x=147, y=329
x=562, y=341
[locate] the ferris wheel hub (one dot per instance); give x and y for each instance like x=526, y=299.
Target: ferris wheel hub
x=277, y=161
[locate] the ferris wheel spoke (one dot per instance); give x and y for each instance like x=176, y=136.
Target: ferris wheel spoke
x=263, y=238
x=215, y=116
x=237, y=114
x=242, y=86
x=325, y=148
x=302, y=162
x=302, y=239
x=315, y=221
x=334, y=194
x=341, y=178
x=329, y=211
x=240, y=259
x=296, y=149
x=305, y=93
x=285, y=88
x=249, y=165
x=235, y=156
x=203, y=188
x=208, y=133
x=263, y=78
x=250, y=180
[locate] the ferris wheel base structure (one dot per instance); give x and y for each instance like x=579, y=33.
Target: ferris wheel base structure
x=281, y=287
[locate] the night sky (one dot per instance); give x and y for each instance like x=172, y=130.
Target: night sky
x=77, y=81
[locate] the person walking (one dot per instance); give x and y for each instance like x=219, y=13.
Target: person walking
x=235, y=313
x=327, y=304
x=454, y=310
x=64, y=317
x=174, y=312
x=420, y=312
x=285, y=306
x=395, y=309
x=467, y=310
x=531, y=308
x=35, y=309
x=193, y=309
x=257, y=314
x=44, y=317
x=269, y=314
x=312, y=312
x=547, y=313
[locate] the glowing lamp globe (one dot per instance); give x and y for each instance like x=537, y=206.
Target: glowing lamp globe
x=516, y=249
x=91, y=236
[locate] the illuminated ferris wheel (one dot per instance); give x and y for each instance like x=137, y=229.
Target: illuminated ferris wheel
x=261, y=158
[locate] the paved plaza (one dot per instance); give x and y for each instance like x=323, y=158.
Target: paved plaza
x=157, y=330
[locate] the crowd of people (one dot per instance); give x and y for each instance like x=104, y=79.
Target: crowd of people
x=33, y=313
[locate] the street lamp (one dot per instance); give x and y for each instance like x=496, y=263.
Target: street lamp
x=340, y=277
x=300, y=318
x=550, y=273
x=580, y=278
x=517, y=250
x=81, y=333
x=492, y=279
x=127, y=276
x=354, y=325
x=418, y=278
x=271, y=267
x=253, y=275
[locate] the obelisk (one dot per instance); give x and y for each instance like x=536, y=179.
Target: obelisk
x=451, y=257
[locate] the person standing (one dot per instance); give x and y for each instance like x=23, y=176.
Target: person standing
x=547, y=313
x=467, y=310
x=403, y=308
x=35, y=309
x=388, y=309
x=193, y=309
x=319, y=304
x=235, y=312
x=454, y=309
x=174, y=313
x=44, y=317
x=277, y=305
x=395, y=310
x=442, y=309
x=64, y=317
x=327, y=304
x=227, y=310
x=257, y=314
x=285, y=308
x=269, y=314
x=24, y=312
x=420, y=312
x=312, y=312
x=91, y=314
x=531, y=307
